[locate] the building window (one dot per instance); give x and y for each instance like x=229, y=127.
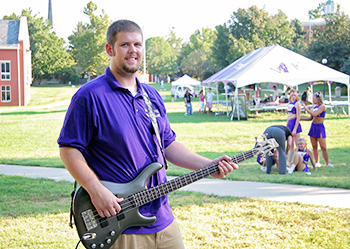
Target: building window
x=5, y=93
x=5, y=70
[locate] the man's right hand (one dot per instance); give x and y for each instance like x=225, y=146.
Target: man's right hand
x=105, y=202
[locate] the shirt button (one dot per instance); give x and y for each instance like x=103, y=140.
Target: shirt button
x=137, y=110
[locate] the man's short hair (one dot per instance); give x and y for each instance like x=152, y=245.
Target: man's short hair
x=121, y=26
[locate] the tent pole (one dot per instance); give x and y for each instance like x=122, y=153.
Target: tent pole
x=225, y=86
x=348, y=101
x=329, y=91
x=235, y=107
x=217, y=98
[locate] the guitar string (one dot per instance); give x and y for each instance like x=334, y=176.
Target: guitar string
x=128, y=202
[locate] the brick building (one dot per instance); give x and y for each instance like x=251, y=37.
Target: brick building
x=15, y=63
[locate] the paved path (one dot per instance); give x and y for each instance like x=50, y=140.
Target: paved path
x=332, y=197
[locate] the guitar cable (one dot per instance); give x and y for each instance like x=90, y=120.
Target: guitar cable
x=84, y=237
x=78, y=244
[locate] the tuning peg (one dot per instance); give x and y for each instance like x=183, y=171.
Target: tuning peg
x=264, y=136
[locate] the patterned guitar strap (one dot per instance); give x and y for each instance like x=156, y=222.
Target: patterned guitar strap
x=154, y=123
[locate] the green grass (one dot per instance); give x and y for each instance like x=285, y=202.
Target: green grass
x=49, y=94
x=34, y=213
x=29, y=134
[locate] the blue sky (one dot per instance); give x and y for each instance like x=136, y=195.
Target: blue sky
x=157, y=17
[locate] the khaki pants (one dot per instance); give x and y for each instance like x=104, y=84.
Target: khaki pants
x=168, y=238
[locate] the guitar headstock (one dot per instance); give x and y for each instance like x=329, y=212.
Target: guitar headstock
x=265, y=146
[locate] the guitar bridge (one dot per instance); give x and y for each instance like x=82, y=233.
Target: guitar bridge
x=89, y=219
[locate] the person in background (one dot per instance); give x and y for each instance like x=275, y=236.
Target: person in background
x=201, y=102
x=172, y=92
x=188, y=104
x=210, y=97
x=108, y=135
x=286, y=95
x=262, y=160
x=301, y=158
x=275, y=97
x=309, y=96
x=317, y=131
x=228, y=88
x=293, y=121
x=257, y=99
x=162, y=85
x=281, y=134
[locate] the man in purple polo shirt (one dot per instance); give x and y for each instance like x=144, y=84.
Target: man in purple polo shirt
x=107, y=135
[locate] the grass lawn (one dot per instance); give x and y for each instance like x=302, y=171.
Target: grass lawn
x=29, y=134
x=34, y=212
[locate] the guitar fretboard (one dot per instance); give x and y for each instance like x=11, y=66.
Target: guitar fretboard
x=140, y=198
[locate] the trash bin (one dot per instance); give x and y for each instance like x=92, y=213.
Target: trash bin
x=338, y=92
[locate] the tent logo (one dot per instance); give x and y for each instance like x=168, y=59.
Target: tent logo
x=282, y=68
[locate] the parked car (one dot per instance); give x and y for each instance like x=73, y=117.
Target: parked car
x=181, y=90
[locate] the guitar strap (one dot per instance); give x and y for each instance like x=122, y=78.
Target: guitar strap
x=154, y=122
x=71, y=204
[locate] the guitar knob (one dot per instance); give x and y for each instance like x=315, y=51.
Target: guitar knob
x=93, y=246
x=112, y=233
x=102, y=245
x=108, y=241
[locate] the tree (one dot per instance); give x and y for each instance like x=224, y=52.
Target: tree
x=197, y=64
x=88, y=41
x=49, y=56
x=298, y=44
x=160, y=57
x=176, y=45
x=175, y=42
x=254, y=28
x=220, y=47
x=332, y=42
x=320, y=11
x=196, y=57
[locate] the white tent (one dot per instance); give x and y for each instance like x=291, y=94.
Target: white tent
x=186, y=80
x=278, y=65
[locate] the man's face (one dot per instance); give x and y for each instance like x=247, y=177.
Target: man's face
x=126, y=53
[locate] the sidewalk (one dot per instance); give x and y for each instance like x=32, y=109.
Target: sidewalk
x=332, y=197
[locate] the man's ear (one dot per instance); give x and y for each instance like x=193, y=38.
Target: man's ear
x=109, y=49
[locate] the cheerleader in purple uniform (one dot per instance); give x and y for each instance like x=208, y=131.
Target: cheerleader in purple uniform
x=293, y=121
x=317, y=131
x=301, y=158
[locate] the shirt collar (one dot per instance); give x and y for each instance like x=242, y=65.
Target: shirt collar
x=114, y=83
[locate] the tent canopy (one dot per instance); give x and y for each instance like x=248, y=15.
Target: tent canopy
x=186, y=80
x=276, y=64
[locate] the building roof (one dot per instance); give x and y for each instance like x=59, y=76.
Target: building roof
x=317, y=21
x=9, y=33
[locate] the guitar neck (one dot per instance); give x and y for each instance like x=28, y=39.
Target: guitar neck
x=147, y=195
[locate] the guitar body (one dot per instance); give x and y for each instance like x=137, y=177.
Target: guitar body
x=96, y=232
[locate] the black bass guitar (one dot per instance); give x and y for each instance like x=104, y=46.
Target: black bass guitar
x=96, y=232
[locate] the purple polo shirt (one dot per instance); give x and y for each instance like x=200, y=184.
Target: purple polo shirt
x=113, y=131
